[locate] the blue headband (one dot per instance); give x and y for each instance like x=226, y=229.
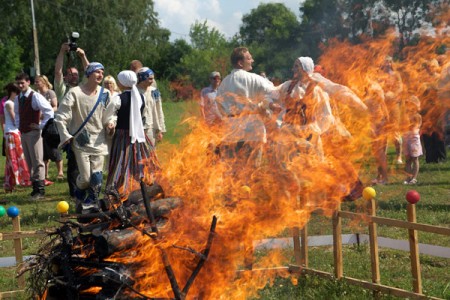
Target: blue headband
x=92, y=67
x=144, y=74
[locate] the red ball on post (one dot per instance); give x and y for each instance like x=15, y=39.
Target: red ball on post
x=412, y=196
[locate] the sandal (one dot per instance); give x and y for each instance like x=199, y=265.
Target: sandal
x=60, y=178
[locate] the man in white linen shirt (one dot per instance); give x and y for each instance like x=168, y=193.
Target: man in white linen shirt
x=89, y=145
x=243, y=98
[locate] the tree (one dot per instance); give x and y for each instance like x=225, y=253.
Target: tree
x=10, y=63
x=111, y=32
x=210, y=52
x=271, y=31
x=408, y=15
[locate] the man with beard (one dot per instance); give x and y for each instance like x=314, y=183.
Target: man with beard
x=62, y=84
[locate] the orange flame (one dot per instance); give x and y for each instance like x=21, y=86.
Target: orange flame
x=289, y=182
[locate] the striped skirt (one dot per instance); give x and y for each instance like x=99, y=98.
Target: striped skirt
x=130, y=163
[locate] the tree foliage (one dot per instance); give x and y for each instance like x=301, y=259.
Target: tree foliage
x=408, y=15
x=210, y=52
x=9, y=61
x=111, y=32
x=271, y=31
x=116, y=32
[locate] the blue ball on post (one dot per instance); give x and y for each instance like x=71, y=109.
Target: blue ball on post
x=13, y=211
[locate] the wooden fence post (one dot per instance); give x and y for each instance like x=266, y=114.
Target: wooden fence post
x=373, y=239
x=18, y=250
x=414, y=250
x=337, y=243
x=297, y=250
x=304, y=245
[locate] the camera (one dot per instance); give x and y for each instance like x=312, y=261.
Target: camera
x=73, y=41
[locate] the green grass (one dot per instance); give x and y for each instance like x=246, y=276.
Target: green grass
x=434, y=208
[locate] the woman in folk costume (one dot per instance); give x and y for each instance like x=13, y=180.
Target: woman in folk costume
x=132, y=155
x=309, y=118
x=307, y=111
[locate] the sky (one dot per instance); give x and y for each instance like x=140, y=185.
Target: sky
x=224, y=15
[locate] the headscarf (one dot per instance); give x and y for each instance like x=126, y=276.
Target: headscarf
x=307, y=64
x=129, y=79
x=144, y=74
x=92, y=67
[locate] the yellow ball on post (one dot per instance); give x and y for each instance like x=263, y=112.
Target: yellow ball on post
x=369, y=193
x=62, y=207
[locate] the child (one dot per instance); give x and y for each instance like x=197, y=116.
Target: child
x=412, y=147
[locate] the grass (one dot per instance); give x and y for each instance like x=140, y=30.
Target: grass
x=434, y=208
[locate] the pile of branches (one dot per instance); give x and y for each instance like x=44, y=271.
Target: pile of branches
x=74, y=263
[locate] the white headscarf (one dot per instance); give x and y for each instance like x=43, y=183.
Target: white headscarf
x=307, y=64
x=129, y=79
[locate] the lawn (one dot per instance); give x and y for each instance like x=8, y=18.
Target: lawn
x=434, y=208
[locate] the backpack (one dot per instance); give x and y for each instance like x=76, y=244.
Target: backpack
x=50, y=134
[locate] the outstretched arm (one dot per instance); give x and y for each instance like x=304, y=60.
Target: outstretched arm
x=60, y=62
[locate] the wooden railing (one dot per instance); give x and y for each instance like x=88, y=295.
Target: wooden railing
x=301, y=250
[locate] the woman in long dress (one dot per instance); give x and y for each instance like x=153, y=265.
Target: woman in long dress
x=132, y=155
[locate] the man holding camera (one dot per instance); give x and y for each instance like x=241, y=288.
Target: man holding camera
x=62, y=84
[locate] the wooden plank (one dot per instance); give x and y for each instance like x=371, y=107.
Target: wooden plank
x=18, y=250
x=414, y=250
x=337, y=244
x=396, y=223
x=22, y=234
x=11, y=294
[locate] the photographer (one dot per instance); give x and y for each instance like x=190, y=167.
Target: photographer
x=62, y=84
x=71, y=78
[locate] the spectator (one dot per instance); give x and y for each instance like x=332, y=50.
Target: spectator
x=208, y=104
x=391, y=82
x=110, y=84
x=62, y=84
x=16, y=168
x=28, y=107
x=154, y=124
x=45, y=89
x=412, y=147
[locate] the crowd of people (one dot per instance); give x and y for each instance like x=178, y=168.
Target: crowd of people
x=96, y=119
x=122, y=120
x=306, y=111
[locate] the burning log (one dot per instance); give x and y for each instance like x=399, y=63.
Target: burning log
x=75, y=264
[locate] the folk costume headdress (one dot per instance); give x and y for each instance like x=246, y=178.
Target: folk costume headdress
x=129, y=79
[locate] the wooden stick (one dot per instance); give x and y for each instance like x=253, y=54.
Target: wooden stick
x=337, y=244
x=18, y=250
x=414, y=250
x=212, y=232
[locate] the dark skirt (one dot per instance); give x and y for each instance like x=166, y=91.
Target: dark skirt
x=130, y=163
